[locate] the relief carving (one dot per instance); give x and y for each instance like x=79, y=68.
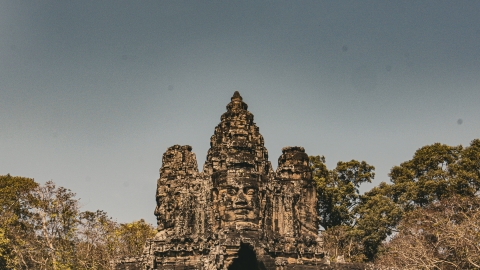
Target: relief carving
x=207, y=220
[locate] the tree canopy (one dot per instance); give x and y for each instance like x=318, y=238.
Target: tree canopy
x=429, y=210
x=356, y=225
x=42, y=227
x=442, y=235
x=338, y=189
x=435, y=172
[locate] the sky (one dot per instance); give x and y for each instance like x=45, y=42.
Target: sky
x=92, y=93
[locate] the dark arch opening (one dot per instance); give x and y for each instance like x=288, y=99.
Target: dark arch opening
x=246, y=260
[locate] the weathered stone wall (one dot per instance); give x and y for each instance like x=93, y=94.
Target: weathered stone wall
x=238, y=213
x=181, y=196
x=293, y=200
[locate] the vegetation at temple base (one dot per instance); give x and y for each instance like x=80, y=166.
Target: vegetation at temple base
x=443, y=235
x=356, y=226
x=42, y=227
x=427, y=217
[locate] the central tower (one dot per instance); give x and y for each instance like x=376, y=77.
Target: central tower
x=238, y=212
x=240, y=171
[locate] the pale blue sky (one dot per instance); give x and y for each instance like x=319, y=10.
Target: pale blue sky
x=93, y=92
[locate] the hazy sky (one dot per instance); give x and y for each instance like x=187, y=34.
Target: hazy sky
x=93, y=92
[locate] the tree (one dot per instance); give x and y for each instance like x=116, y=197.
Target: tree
x=41, y=227
x=376, y=219
x=132, y=236
x=436, y=172
x=338, y=189
x=442, y=235
x=468, y=169
x=15, y=229
x=96, y=246
x=342, y=242
x=55, y=220
x=102, y=240
x=428, y=177
x=338, y=200
x=6, y=256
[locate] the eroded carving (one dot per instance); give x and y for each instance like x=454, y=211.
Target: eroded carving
x=238, y=201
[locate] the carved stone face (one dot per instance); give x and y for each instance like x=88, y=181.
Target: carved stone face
x=238, y=203
x=165, y=210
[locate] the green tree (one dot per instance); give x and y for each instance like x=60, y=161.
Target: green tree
x=102, y=240
x=338, y=189
x=132, y=236
x=41, y=227
x=339, y=200
x=468, y=170
x=376, y=219
x=15, y=228
x=6, y=256
x=429, y=176
x=435, y=173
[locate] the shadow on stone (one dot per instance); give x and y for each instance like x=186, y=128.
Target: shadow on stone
x=247, y=259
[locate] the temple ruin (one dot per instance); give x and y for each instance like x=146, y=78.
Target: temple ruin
x=238, y=213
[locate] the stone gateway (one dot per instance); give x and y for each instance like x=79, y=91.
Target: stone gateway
x=238, y=213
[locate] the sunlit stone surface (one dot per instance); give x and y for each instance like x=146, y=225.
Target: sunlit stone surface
x=238, y=213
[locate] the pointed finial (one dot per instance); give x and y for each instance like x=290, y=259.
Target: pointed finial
x=237, y=102
x=236, y=96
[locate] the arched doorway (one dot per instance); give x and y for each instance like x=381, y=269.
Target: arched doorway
x=246, y=260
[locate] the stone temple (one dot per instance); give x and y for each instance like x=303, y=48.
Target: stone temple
x=238, y=213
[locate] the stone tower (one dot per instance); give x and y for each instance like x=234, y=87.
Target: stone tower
x=238, y=213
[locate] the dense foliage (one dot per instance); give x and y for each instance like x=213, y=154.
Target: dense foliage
x=357, y=226
x=354, y=225
x=42, y=227
x=442, y=235
x=426, y=218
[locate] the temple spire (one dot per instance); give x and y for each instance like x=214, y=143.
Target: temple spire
x=237, y=144
x=236, y=96
x=236, y=103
